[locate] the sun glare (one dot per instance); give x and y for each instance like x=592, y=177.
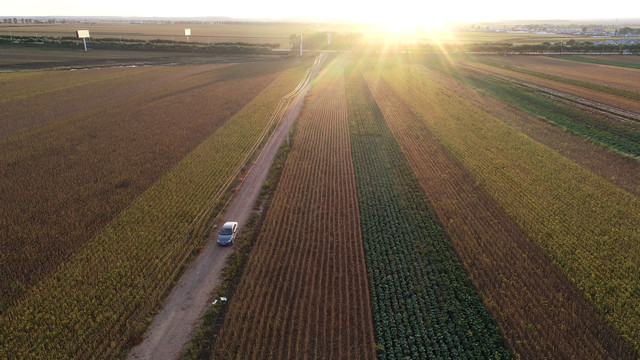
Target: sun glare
x=406, y=17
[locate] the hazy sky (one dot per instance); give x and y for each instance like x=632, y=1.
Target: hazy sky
x=394, y=11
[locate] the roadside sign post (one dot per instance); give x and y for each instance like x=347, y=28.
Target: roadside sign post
x=187, y=32
x=83, y=34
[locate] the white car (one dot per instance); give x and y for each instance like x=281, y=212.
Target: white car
x=227, y=233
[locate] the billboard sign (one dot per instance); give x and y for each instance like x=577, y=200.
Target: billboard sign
x=82, y=34
x=187, y=32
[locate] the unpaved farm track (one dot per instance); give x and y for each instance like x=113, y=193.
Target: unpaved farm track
x=173, y=326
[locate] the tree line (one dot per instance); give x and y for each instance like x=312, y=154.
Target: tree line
x=557, y=47
x=36, y=21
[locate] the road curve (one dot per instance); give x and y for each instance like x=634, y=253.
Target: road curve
x=173, y=327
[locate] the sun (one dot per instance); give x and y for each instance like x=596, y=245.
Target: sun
x=410, y=21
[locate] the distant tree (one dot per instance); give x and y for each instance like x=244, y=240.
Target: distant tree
x=294, y=41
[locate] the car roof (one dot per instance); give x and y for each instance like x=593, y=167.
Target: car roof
x=229, y=224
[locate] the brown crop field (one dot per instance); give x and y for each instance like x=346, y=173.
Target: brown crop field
x=229, y=32
x=304, y=293
x=161, y=160
x=14, y=59
x=78, y=147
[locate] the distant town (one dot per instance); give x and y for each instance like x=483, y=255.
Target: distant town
x=626, y=34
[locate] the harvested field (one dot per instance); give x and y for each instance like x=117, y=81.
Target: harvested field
x=304, y=292
x=538, y=311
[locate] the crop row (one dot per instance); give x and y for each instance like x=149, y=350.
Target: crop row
x=424, y=304
x=94, y=300
x=303, y=293
x=586, y=225
x=535, y=306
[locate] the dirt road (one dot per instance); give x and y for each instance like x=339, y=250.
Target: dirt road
x=174, y=325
